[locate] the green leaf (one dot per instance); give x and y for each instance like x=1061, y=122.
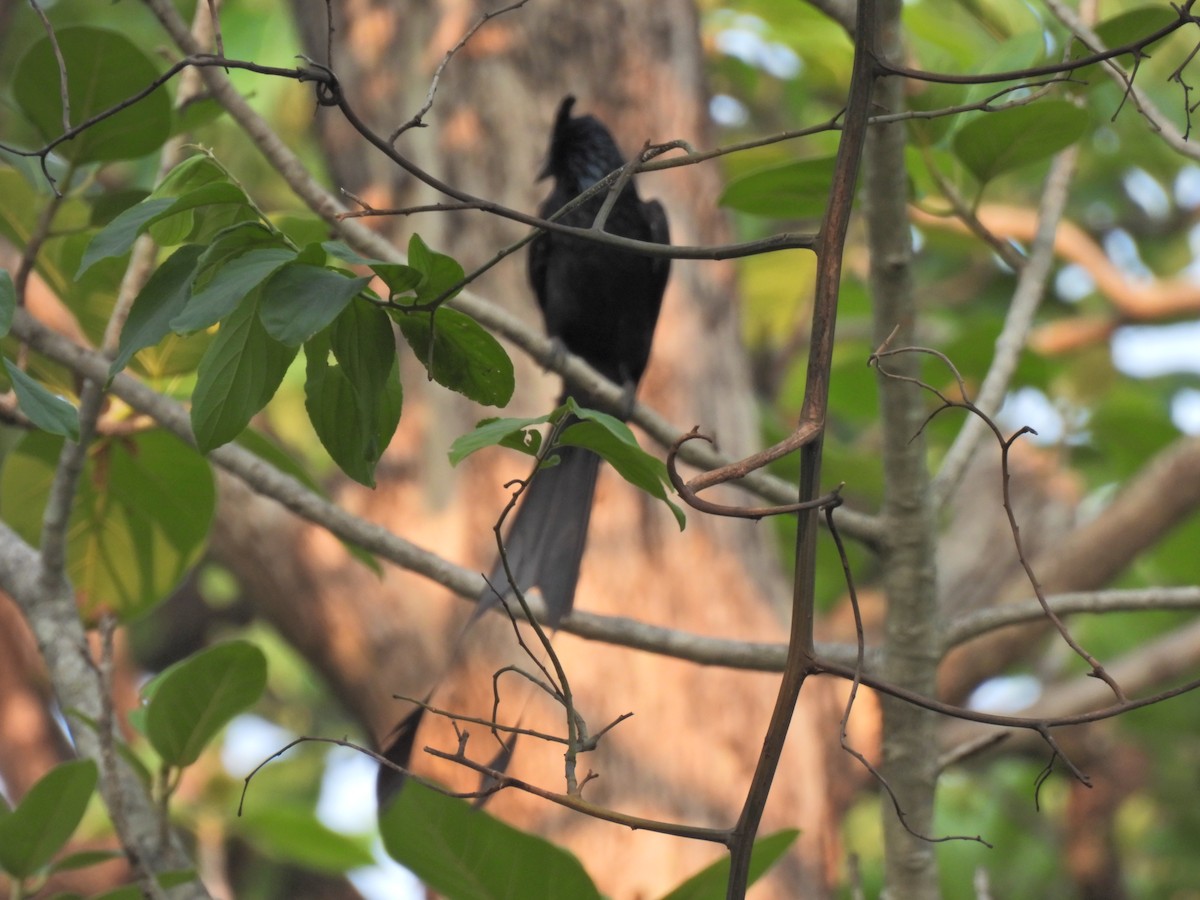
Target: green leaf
x=186, y=215
x=140, y=521
x=399, y=278
x=46, y=818
x=115, y=238
x=439, y=272
x=103, y=68
x=612, y=439
x=459, y=354
x=240, y=372
x=85, y=858
x=8, y=301
x=466, y=854
x=195, y=698
x=352, y=389
x=796, y=190
x=300, y=300
x=46, y=410
x=517, y=434
x=159, y=301
x=295, y=835
x=1123, y=28
x=233, y=281
x=710, y=883
x=991, y=144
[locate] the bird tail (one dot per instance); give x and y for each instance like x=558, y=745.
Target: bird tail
x=545, y=543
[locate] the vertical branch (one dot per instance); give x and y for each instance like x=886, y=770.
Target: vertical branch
x=831, y=240
x=911, y=647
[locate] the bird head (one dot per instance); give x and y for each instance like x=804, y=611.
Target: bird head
x=582, y=151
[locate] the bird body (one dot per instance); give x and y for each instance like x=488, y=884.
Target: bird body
x=601, y=302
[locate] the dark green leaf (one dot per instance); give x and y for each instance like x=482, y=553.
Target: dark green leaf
x=352, y=389
x=94, y=84
x=494, y=432
x=179, y=221
x=797, y=190
x=46, y=818
x=399, y=279
x=711, y=883
x=294, y=835
x=459, y=354
x=85, y=858
x=439, y=272
x=466, y=854
x=196, y=698
x=115, y=238
x=613, y=440
x=300, y=300
x=46, y=410
x=157, y=303
x=239, y=373
x=8, y=301
x=229, y=286
x=994, y=143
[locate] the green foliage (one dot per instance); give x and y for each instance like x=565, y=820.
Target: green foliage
x=193, y=700
x=1009, y=139
x=45, y=819
x=8, y=301
x=140, y=520
x=466, y=854
x=352, y=389
x=710, y=884
x=93, y=86
x=459, y=354
x=795, y=190
x=45, y=410
x=294, y=835
x=599, y=432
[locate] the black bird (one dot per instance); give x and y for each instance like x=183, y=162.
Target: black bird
x=602, y=303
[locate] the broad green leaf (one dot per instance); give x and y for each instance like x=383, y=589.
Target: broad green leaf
x=439, y=272
x=85, y=858
x=140, y=521
x=299, y=300
x=194, y=172
x=195, y=698
x=231, y=284
x=797, y=190
x=45, y=409
x=352, y=389
x=459, y=354
x=46, y=818
x=710, y=883
x=294, y=835
x=991, y=144
x=160, y=300
x=1123, y=28
x=8, y=301
x=115, y=238
x=514, y=433
x=240, y=372
x=180, y=221
x=399, y=278
x=466, y=854
x=613, y=440
x=104, y=68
